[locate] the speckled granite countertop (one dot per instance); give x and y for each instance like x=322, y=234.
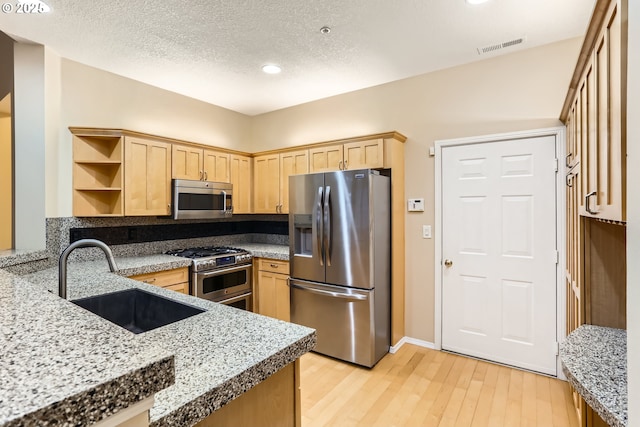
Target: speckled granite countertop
x=594, y=359
x=59, y=366
x=219, y=354
x=261, y=250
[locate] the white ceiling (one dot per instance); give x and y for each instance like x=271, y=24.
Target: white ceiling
x=213, y=50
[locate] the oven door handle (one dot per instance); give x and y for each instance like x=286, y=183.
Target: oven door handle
x=234, y=299
x=220, y=271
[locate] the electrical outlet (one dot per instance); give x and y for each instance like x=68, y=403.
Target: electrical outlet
x=426, y=231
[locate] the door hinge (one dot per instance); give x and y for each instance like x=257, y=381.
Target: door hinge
x=556, y=348
x=555, y=165
x=557, y=256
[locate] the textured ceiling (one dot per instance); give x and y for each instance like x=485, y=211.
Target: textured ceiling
x=213, y=50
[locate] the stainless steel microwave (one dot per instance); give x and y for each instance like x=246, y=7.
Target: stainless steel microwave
x=201, y=199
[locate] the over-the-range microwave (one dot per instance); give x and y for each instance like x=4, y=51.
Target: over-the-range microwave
x=201, y=199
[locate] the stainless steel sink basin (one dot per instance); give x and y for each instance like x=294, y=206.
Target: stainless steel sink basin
x=137, y=310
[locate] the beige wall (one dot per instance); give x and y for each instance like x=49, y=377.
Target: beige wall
x=513, y=92
x=96, y=98
x=6, y=187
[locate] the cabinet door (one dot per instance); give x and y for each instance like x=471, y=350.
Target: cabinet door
x=266, y=183
x=240, y=176
x=590, y=141
x=216, y=166
x=364, y=154
x=147, y=177
x=610, y=169
x=186, y=162
x=273, y=295
x=325, y=159
x=291, y=163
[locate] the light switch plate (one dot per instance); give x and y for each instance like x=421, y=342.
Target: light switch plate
x=415, y=205
x=426, y=231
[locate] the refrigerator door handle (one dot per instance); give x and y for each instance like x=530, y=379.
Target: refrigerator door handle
x=327, y=225
x=352, y=297
x=319, y=225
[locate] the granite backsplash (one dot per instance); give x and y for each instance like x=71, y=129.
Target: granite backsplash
x=132, y=236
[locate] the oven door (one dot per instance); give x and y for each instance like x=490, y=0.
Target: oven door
x=224, y=283
x=243, y=302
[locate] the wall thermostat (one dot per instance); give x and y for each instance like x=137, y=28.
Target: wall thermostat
x=416, y=205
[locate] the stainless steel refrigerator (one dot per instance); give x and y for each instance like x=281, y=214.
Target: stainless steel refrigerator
x=339, y=234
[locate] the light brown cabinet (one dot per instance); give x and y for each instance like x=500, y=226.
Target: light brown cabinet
x=272, y=289
x=240, y=176
x=349, y=155
x=273, y=402
x=271, y=179
x=116, y=175
x=191, y=162
x=596, y=139
x=594, y=114
x=175, y=280
x=147, y=171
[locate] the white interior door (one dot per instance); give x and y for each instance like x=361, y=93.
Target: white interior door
x=499, y=251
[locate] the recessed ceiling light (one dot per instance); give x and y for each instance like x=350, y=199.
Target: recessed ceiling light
x=271, y=69
x=476, y=1
x=325, y=30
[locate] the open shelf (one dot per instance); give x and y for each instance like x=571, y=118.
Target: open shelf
x=97, y=175
x=94, y=202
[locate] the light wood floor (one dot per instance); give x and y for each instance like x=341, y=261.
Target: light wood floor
x=422, y=387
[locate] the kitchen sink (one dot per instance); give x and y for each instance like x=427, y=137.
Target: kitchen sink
x=137, y=310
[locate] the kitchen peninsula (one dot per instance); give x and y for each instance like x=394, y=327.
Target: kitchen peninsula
x=63, y=365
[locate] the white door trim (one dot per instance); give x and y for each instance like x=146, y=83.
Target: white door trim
x=559, y=133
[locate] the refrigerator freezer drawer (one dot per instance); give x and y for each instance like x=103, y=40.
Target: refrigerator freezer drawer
x=350, y=323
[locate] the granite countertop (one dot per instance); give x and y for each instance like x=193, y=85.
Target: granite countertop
x=262, y=250
x=594, y=359
x=219, y=354
x=61, y=367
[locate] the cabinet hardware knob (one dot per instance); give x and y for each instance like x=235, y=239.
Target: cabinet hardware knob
x=274, y=265
x=346, y=165
x=201, y=175
x=448, y=263
x=205, y=175
x=340, y=165
x=567, y=160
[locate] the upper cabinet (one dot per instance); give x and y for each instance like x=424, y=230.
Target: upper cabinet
x=271, y=179
x=349, y=155
x=594, y=113
x=190, y=162
x=147, y=171
x=116, y=175
x=241, y=172
x=124, y=173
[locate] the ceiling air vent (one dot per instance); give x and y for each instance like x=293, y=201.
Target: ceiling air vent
x=499, y=46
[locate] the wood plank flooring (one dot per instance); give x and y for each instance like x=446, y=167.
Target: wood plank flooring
x=422, y=387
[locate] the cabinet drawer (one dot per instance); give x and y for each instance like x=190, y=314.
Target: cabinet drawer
x=164, y=278
x=183, y=288
x=273, y=265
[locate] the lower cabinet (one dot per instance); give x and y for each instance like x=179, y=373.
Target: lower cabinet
x=175, y=280
x=271, y=293
x=274, y=402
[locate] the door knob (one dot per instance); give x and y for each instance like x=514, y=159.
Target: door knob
x=448, y=263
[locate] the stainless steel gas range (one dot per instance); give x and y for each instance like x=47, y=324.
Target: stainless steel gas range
x=220, y=274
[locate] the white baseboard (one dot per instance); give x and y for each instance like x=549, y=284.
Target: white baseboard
x=414, y=341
